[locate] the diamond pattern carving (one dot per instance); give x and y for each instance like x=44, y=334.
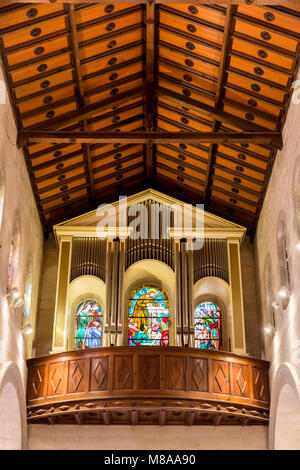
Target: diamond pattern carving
x=76, y=376
x=241, y=381
x=99, y=374
x=149, y=372
x=198, y=374
x=55, y=380
x=175, y=379
x=221, y=378
x=260, y=384
x=123, y=373
x=123, y=378
x=37, y=381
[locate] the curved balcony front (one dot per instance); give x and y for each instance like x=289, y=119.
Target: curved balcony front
x=143, y=385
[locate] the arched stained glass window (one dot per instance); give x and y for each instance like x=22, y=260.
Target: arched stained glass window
x=148, y=318
x=89, y=325
x=208, y=328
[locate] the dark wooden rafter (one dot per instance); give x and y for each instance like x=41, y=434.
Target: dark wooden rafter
x=81, y=99
x=230, y=12
x=268, y=137
x=150, y=105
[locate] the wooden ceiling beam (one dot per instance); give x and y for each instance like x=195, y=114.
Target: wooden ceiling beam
x=268, y=137
x=150, y=106
x=167, y=2
x=228, y=27
x=81, y=101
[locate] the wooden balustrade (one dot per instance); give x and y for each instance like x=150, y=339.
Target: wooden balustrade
x=148, y=385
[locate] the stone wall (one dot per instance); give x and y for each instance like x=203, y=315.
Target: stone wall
x=251, y=305
x=18, y=207
x=283, y=347
x=73, y=437
x=47, y=298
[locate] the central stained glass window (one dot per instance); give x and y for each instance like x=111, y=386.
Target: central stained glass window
x=207, y=323
x=89, y=323
x=148, y=318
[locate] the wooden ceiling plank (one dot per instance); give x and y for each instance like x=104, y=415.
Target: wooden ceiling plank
x=268, y=137
x=88, y=111
x=75, y=46
x=209, y=110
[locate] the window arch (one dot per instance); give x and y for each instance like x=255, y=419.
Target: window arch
x=208, y=326
x=148, y=317
x=13, y=260
x=27, y=292
x=89, y=325
x=268, y=288
x=283, y=257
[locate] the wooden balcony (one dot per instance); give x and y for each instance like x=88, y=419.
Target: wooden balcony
x=148, y=385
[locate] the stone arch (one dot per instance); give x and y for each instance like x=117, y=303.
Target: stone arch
x=12, y=408
x=284, y=429
x=268, y=291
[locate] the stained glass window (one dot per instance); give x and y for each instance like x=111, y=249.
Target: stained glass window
x=208, y=330
x=148, y=319
x=89, y=323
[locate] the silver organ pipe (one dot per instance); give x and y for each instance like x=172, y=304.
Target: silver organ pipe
x=211, y=260
x=88, y=257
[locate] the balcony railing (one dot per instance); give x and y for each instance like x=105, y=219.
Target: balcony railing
x=143, y=385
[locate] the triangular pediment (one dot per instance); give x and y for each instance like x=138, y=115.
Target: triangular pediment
x=90, y=220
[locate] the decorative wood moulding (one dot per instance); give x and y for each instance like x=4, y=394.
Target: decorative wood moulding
x=123, y=385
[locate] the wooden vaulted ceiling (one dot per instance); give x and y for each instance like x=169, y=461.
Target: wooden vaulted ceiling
x=112, y=98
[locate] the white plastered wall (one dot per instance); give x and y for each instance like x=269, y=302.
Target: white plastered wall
x=284, y=346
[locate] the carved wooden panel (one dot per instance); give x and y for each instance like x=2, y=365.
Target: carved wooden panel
x=76, y=379
x=149, y=372
x=123, y=372
x=240, y=380
x=36, y=380
x=56, y=378
x=260, y=384
x=198, y=377
x=99, y=373
x=175, y=373
x=160, y=385
x=221, y=382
